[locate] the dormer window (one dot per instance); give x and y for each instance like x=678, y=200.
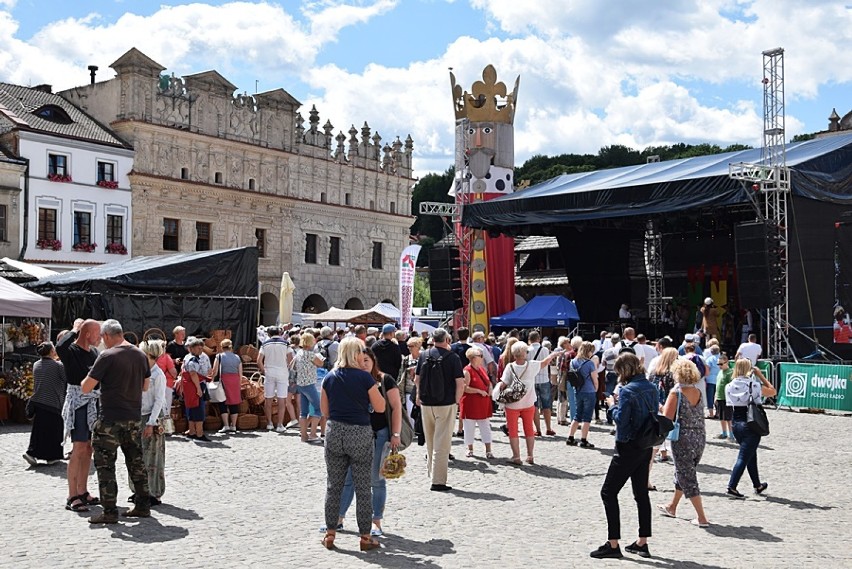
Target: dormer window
x=53, y=113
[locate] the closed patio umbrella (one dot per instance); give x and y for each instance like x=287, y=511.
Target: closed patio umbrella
x=285, y=299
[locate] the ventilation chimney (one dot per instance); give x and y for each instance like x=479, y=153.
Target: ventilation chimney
x=92, y=70
x=44, y=88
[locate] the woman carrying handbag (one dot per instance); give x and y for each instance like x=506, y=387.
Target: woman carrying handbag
x=687, y=439
x=744, y=390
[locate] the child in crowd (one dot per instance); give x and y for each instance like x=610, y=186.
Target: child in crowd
x=723, y=412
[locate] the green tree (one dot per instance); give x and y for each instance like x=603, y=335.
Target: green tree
x=422, y=294
x=431, y=188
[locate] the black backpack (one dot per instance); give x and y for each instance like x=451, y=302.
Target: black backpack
x=323, y=350
x=575, y=378
x=432, y=378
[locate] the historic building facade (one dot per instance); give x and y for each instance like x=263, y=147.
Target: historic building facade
x=73, y=209
x=214, y=170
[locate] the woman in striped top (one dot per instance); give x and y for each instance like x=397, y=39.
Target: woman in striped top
x=46, y=407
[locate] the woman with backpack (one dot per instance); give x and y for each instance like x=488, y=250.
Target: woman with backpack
x=749, y=385
x=585, y=395
x=636, y=401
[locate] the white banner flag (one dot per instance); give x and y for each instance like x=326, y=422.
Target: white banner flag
x=407, y=262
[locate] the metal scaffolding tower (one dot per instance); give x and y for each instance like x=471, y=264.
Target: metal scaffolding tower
x=654, y=270
x=770, y=181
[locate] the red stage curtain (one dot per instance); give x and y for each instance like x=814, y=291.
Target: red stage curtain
x=500, y=277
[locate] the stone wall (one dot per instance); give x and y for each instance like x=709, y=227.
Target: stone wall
x=243, y=163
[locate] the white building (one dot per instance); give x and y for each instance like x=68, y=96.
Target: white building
x=76, y=202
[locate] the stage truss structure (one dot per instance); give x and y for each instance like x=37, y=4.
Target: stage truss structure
x=769, y=182
x=654, y=269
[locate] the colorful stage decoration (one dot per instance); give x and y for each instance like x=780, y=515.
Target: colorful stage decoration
x=485, y=161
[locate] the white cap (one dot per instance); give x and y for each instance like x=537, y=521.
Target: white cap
x=708, y=301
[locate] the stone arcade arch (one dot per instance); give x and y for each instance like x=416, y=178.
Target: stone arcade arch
x=314, y=304
x=354, y=303
x=268, y=308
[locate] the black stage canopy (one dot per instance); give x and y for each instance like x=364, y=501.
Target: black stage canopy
x=822, y=170
x=599, y=219
x=201, y=291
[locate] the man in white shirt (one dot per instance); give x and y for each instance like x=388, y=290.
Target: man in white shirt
x=543, y=391
x=273, y=362
x=662, y=344
x=751, y=350
x=644, y=351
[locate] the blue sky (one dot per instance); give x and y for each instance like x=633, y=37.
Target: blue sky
x=592, y=73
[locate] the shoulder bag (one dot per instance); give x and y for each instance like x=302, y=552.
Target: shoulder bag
x=654, y=429
x=215, y=389
x=406, y=431
x=756, y=418
x=516, y=390
x=674, y=434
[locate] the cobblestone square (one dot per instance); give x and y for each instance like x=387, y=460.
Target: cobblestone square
x=256, y=499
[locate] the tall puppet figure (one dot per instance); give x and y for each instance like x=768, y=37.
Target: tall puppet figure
x=485, y=161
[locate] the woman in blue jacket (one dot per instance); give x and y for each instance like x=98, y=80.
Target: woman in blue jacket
x=637, y=398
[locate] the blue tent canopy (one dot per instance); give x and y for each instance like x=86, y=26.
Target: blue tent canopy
x=541, y=311
x=821, y=170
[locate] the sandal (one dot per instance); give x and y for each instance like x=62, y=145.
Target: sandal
x=328, y=540
x=586, y=444
x=489, y=455
x=515, y=460
x=89, y=499
x=368, y=543
x=469, y=454
x=80, y=506
x=530, y=460
x=664, y=509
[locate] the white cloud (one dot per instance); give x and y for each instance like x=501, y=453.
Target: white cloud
x=186, y=38
x=629, y=73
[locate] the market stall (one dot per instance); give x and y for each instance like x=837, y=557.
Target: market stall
x=25, y=324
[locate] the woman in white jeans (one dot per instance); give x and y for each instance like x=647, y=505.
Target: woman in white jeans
x=475, y=407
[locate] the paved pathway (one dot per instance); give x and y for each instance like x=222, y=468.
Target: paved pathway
x=255, y=499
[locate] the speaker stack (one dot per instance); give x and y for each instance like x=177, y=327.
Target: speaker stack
x=445, y=278
x=760, y=263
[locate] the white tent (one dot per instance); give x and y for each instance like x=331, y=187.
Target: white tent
x=28, y=268
x=20, y=302
x=392, y=311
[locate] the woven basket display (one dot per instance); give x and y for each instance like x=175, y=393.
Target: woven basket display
x=247, y=353
x=254, y=389
x=180, y=426
x=244, y=407
x=212, y=423
x=247, y=422
x=153, y=332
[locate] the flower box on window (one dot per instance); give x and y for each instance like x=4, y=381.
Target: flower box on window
x=116, y=249
x=111, y=184
x=54, y=244
x=59, y=178
x=85, y=247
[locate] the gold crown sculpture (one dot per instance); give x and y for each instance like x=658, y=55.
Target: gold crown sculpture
x=488, y=102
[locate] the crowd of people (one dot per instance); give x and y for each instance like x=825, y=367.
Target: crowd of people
x=354, y=389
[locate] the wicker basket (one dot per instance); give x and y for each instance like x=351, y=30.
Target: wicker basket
x=153, y=332
x=212, y=423
x=131, y=337
x=247, y=351
x=244, y=407
x=181, y=426
x=254, y=390
x=247, y=422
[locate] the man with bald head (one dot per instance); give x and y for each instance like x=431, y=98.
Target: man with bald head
x=77, y=352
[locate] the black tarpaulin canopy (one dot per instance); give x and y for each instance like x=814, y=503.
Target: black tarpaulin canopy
x=822, y=170
x=201, y=291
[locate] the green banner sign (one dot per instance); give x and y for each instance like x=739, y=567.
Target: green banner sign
x=815, y=386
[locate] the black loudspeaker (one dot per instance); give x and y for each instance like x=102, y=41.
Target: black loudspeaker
x=445, y=278
x=759, y=262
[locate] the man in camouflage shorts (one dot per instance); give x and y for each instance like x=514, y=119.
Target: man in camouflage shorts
x=122, y=373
